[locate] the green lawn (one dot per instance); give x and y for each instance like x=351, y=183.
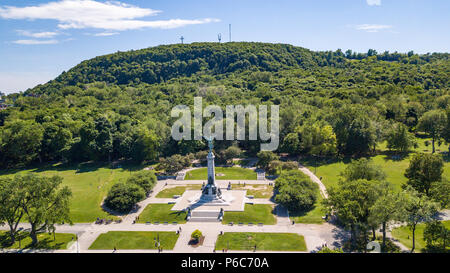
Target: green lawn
x=161, y=213
x=313, y=216
x=263, y=241
x=229, y=173
x=259, y=213
x=258, y=191
x=395, y=169
x=135, y=240
x=179, y=190
x=404, y=235
x=45, y=240
x=89, y=184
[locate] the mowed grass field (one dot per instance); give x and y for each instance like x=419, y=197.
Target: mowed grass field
x=135, y=240
x=229, y=173
x=178, y=190
x=404, y=235
x=263, y=241
x=258, y=213
x=394, y=168
x=89, y=184
x=45, y=240
x=161, y=213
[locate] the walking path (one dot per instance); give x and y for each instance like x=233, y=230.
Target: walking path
x=314, y=178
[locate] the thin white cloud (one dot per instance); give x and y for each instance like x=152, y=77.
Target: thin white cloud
x=104, y=34
x=79, y=14
x=372, y=27
x=35, y=42
x=38, y=35
x=373, y=2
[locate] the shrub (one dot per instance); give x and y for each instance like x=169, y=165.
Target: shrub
x=196, y=234
x=277, y=166
x=264, y=158
x=296, y=191
x=123, y=196
x=144, y=179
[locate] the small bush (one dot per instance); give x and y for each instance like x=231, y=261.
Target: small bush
x=196, y=235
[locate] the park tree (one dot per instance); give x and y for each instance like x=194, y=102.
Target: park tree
x=174, y=163
x=144, y=179
x=433, y=122
x=363, y=169
x=355, y=132
x=20, y=143
x=45, y=203
x=436, y=236
x=11, y=198
x=229, y=153
x=446, y=134
x=56, y=141
x=399, y=139
x=122, y=197
x=277, y=167
x=423, y=171
x=103, y=138
x=264, y=158
x=351, y=202
x=145, y=145
x=418, y=208
x=318, y=139
x=296, y=191
x=291, y=144
x=440, y=192
x=388, y=207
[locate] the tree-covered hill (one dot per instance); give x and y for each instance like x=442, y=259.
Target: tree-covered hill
x=161, y=63
x=332, y=103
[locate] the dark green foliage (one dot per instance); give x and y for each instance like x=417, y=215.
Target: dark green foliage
x=296, y=191
x=437, y=237
x=264, y=159
x=144, y=179
x=363, y=169
x=123, y=196
x=423, y=171
x=118, y=106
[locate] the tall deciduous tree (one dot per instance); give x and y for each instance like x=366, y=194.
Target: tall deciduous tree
x=399, y=139
x=45, y=203
x=419, y=208
x=423, y=171
x=264, y=158
x=363, y=169
x=433, y=122
x=20, y=142
x=388, y=207
x=11, y=198
x=351, y=202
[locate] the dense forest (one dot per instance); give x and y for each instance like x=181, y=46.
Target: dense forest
x=332, y=103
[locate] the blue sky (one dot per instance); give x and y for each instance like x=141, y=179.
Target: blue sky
x=40, y=39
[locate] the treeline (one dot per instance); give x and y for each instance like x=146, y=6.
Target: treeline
x=331, y=104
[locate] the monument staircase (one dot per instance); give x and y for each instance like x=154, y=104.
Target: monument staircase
x=204, y=216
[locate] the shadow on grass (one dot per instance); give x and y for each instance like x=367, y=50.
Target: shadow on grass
x=301, y=213
x=83, y=167
x=46, y=243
